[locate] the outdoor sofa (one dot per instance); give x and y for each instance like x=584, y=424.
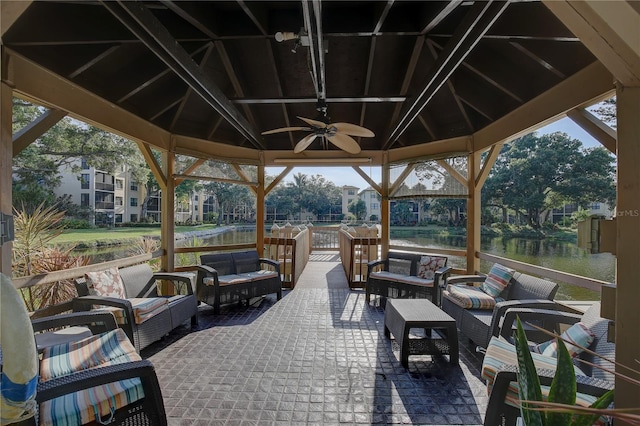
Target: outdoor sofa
x=478, y=313
x=132, y=294
x=225, y=278
x=405, y=275
x=499, y=368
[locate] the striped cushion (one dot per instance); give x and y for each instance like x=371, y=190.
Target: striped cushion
x=578, y=333
x=103, y=349
x=469, y=297
x=497, y=280
x=147, y=307
x=82, y=407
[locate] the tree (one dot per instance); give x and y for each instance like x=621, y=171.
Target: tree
x=452, y=208
x=36, y=169
x=359, y=208
x=536, y=174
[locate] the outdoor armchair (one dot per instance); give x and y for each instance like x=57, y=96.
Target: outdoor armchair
x=499, y=367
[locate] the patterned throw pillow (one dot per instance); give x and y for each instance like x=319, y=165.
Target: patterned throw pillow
x=429, y=265
x=106, y=283
x=578, y=333
x=497, y=279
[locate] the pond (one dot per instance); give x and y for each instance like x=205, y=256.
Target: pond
x=553, y=254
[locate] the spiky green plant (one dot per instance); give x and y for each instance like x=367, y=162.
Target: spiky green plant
x=146, y=245
x=188, y=259
x=560, y=408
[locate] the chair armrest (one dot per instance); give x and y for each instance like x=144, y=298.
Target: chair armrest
x=100, y=322
x=271, y=262
x=508, y=373
x=84, y=303
x=548, y=316
x=501, y=308
x=182, y=280
x=205, y=271
x=465, y=279
x=441, y=276
x=375, y=263
x=102, y=375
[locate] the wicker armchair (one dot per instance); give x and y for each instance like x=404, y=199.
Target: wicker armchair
x=140, y=283
x=592, y=382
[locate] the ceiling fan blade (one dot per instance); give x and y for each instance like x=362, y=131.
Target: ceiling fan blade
x=284, y=129
x=353, y=130
x=304, y=143
x=314, y=123
x=344, y=142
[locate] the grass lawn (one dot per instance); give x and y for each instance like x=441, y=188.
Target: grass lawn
x=102, y=234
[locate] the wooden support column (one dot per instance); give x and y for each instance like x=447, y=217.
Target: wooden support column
x=6, y=158
x=260, y=212
x=168, y=226
x=473, y=213
x=385, y=206
x=628, y=235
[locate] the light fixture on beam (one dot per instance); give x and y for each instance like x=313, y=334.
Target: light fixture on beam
x=299, y=161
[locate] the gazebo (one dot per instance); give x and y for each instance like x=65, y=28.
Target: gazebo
x=432, y=80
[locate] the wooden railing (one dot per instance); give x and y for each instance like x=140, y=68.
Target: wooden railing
x=324, y=238
x=355, y=253
x=292, y=252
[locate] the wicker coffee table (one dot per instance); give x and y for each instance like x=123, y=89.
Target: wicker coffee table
x=441, y=333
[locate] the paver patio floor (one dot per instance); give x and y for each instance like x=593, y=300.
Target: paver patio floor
x=318, y=356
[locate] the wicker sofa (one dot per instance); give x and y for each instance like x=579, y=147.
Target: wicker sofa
x=144, y=315
x=479, y=325
x=225, y=278
x=404, y=275
x=499, y=366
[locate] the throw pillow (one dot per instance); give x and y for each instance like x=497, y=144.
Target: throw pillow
x=497, y=280
x=429, y=265
x=578, y=333
x=106, y=283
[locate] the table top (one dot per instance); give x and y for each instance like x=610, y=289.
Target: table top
x=417, y=310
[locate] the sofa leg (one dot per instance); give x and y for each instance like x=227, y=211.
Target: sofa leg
x=194, y=321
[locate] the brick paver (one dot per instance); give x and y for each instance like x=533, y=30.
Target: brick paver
x=318, y=356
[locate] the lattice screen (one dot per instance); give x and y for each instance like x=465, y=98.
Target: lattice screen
x=430, y=178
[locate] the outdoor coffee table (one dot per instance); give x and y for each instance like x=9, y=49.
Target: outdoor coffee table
x=401, y=315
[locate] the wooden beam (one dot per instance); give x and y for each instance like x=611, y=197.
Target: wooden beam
x=442, y=148
x=209, y=150
x=6, y=160
x=609, y=30
x=167, y=209
x=217, y=179
x=595, y=127
x=10, y=11
x=260, y=211
x=453, y=172
x=156, y=168
x=592, y=84
x=48, y=89
x=627, y=233
x=385, y=221
x=482, y=175
x=192, y=168
x=368, y=179
x=245, y=178
x=400, y=179
x=474, y=216
x=32, y=131
x=277, y=180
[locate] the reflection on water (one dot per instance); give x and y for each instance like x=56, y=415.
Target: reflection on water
x=559, y=255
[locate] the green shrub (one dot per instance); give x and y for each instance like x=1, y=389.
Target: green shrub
x=69, y=223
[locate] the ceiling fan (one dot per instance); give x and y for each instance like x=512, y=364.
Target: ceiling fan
x=338, y=134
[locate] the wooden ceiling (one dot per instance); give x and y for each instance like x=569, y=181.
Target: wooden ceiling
x=413, y=72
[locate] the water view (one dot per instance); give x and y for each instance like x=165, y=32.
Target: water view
x=553, y=254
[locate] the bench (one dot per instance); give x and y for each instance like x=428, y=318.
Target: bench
x=225, y=278
x=479, y=320
x=144, y=315
x=405, y=275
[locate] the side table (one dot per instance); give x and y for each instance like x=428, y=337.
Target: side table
x=401, y=315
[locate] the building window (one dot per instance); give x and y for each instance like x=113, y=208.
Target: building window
x=349, y=200
x=84, y=200
x=118, y=218
x=351, y=192
x=134, y=202
x=119, y=201
x=134, y=217
x=134, y=186
x=83, y=164
x=84, y=181
x=375, y=206
x=195, y=197
x=595, y=206
x=119, y=184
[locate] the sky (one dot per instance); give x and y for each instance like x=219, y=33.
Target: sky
x=342, y=176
